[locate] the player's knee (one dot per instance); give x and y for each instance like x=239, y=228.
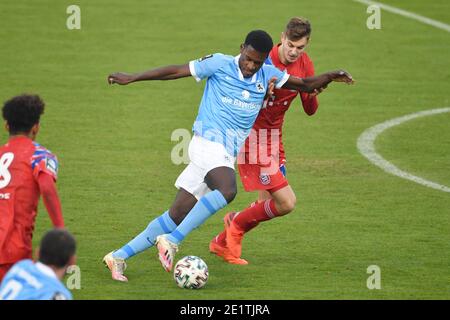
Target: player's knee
x=290, y=205
x=287, y=206
x=229, y=193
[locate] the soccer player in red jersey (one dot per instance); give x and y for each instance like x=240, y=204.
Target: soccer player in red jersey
x=262, y=165
x=27, y=170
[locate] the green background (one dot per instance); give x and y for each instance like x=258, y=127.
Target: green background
x=113, y=144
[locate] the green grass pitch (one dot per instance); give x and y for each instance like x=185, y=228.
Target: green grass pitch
x=114, y=143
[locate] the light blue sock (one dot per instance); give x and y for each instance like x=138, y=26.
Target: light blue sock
x=161, y=225
x=203, y=209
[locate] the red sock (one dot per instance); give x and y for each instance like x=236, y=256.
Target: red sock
x=221, y=238
x=252, y=216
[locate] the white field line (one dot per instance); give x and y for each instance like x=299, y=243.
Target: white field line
x=407, y=14
x=366, y=139
x=367, y=148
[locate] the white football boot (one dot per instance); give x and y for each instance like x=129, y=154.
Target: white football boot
x=166, y=252
x=116, y=266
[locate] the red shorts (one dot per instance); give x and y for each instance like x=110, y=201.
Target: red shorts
x=18, y=247
x=4, y=268
x=257, y=177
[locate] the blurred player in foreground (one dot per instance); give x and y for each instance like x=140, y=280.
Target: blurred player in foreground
x=42, y=280
x=27, y=170
x=232, y=99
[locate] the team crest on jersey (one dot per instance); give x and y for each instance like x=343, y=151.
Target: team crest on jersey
x=205, y=57
x=264, y=178
x=51, y=165
x=260, y=87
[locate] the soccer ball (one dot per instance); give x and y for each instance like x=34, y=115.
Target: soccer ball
x=190, y=272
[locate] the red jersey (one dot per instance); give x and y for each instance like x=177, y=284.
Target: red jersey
x=21, y=162
x=271, y=117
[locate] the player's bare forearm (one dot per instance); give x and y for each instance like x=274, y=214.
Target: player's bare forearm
x=311, y=84
x=162, y=73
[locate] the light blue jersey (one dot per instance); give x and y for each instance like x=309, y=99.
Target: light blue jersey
x=32, y=281
x=230, y=102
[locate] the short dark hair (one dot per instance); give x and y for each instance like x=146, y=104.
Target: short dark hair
x=57, y=247
x=23, y=112
x=259, y=40
x=298, y=28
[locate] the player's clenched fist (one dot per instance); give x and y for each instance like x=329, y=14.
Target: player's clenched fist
x=342, y=76
x=120, y=78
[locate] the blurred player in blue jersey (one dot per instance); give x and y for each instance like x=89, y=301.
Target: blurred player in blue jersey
x=28, y=280
x=231, y=101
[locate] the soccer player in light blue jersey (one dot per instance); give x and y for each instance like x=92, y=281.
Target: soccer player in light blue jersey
x=233, y=96
x=28, y=280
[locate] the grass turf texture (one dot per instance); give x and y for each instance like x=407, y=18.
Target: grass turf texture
x=114, y=144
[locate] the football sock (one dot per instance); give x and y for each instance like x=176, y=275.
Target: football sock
x=203, y=209
x=221, y=238
x=161, y=225
x=252, y=216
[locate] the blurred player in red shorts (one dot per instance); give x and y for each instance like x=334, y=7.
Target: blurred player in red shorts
x=262, y=165
x=27, y=170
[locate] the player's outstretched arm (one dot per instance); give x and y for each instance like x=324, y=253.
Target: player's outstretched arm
x=47, y=187
x=311, y=84
x=163, y=73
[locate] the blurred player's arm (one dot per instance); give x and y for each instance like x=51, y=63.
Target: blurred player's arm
x=47, y=187
x=163, y=73
x=310, y=102
x=314, y=84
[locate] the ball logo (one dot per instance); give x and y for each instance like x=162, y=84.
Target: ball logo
x=264, y=178
x=245, y=94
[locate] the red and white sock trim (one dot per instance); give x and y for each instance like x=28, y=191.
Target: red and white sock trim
x=268, y=210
